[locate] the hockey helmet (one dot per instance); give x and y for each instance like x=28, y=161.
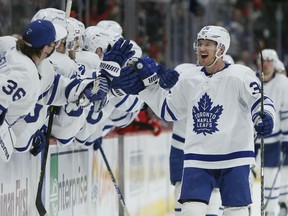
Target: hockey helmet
x=110, y=25
x=270, y=55
x=74, y=33
x=52, y=14
x=215, y=33
x=95, y=37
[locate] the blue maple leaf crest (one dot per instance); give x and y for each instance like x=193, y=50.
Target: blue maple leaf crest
x=205, y=116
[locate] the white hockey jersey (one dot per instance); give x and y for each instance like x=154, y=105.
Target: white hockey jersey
x=89, y=59
x=55, y=90
x=7, y=43
x=19, y=83
x=125, y=108
x=218, y=110
x=179, y=127
x=277, y=89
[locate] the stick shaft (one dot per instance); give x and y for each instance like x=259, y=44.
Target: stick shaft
x=39, y=203
x=121, y=198
x=68, y=8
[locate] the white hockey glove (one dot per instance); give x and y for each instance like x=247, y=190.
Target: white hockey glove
x=95, y=93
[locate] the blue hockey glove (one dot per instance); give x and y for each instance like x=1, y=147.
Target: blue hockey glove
x=128, y=81
x=167, y=78
x=147, y=70
x=263, y=124
x=120, y=52
x=284, y=147
x=96, y=91
x=39, y=142
x=115, y=58
x=97, y=144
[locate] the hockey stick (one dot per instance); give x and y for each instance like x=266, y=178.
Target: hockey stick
x=68, y=8
x=274, y=181
x=121, y=198
x=39, y=204
x=262, y=138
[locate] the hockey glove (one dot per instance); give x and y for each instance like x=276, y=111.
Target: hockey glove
x=115, y=58
x=147, y=70
x=39, y=142
x=128, y=82
x=284, y=147
x=99, y=105
x=167, y=78
x=96, y=91
x=97, y=144
x=264, y=124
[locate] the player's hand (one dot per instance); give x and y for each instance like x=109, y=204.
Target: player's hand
x=147, y=70
x=38, y=143
x=129, y=82
x=167, y=78
x=96, y=91
x=97, y=144
x=263, y=124
x=120, y=52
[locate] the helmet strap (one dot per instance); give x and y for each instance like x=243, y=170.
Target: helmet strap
x=216, y=58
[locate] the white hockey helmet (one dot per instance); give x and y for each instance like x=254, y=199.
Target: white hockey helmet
x=52, y=14
x=82, y=30
x=215, y=33
x=74, y=33
x=228, y=58
x=269, y=54
x=110, y=25
x=95, y=37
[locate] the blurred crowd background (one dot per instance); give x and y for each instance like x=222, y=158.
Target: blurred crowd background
x=166, y=29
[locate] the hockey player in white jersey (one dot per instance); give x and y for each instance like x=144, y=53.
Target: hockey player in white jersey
x=120, y=110
x=276, y=86
x=20, y=80
x=176, y=156
x=102, y=41
x=222, y=105
x=67, y=67
x=56, y=90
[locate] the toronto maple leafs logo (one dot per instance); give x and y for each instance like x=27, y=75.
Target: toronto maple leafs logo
x=205, y=116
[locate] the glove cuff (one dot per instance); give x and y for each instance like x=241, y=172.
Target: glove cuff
x=150, y=80
x=258, y=116
x=118, y=92
x=110, y=69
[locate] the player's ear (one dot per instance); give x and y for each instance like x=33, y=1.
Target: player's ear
x=222, y=49
x=45, y=49
x=99, y=51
